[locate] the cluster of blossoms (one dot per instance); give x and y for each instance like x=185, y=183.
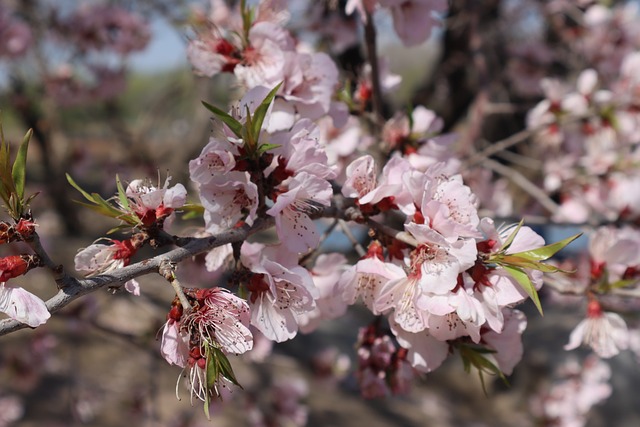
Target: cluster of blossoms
x=292, y=151
x=589, y=137
x=613, y=263
x=448, y=280
x=586, y=125
x=147, y=207
x=78, y=73
x=578, y=388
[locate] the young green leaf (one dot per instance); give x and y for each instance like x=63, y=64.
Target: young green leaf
x=520, y=262
x=261, y=112
x=547, y=251
x=122, y=194
x=523, y=279
x=19, y=170
x=266, y=147
x=224, y=366
x=512, y=236
x=234, y=125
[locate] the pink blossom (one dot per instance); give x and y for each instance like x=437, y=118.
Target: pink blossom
x=578, y=388
x=425, y=352
x=280, y=290
x=361, y=177
x=175, y=344
x=263, y=61
x=216, y=158
x=295, y=228
x=153, y=204
x=99, y=258
x=228, y=199
x=329, y=305
x=22, y=305
x=309, y=83
x=366, y=279
x=223, y=319
x=606, y=333
x=300, y=150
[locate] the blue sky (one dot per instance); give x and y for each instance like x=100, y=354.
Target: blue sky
x=166, y=50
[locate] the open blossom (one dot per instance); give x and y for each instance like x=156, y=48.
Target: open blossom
x=367, y=277
x=305, y=194
x=228, y=199
x=606, y=333
x=100, y=258
x=329, y=304
x=280, y=290
x=219, y=320
x=153, y=204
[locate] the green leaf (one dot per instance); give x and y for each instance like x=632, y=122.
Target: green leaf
x=225, y=367
x=247, y=132
x=122, y=194
x=77, y=187
x=547, y=251
x=512, y=236
x=261, y=112
x=623, y=283
x=266, y=147
x=473, y=355
x=192, y=211
x=19, y=170
x=516, y=261
x=523, y=279
x=234, y=125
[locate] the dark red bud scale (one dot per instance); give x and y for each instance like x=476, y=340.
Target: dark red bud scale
x=17, y=265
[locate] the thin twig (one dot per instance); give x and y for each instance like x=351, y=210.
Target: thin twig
x=522, y=181
x=372, y=56
x=347, y=232
x=402, y=236
x=498, y=146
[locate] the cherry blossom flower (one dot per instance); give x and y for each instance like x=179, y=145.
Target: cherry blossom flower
x=295, y=228
x=425, y=352
x=367, y=278
x=218, y=322
x=280, y=290
x=329, y=305
x=228, y=199
x=154, y=205
x=605, y=332
x=99, y=258
x=216, y=158
x=223, y=319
